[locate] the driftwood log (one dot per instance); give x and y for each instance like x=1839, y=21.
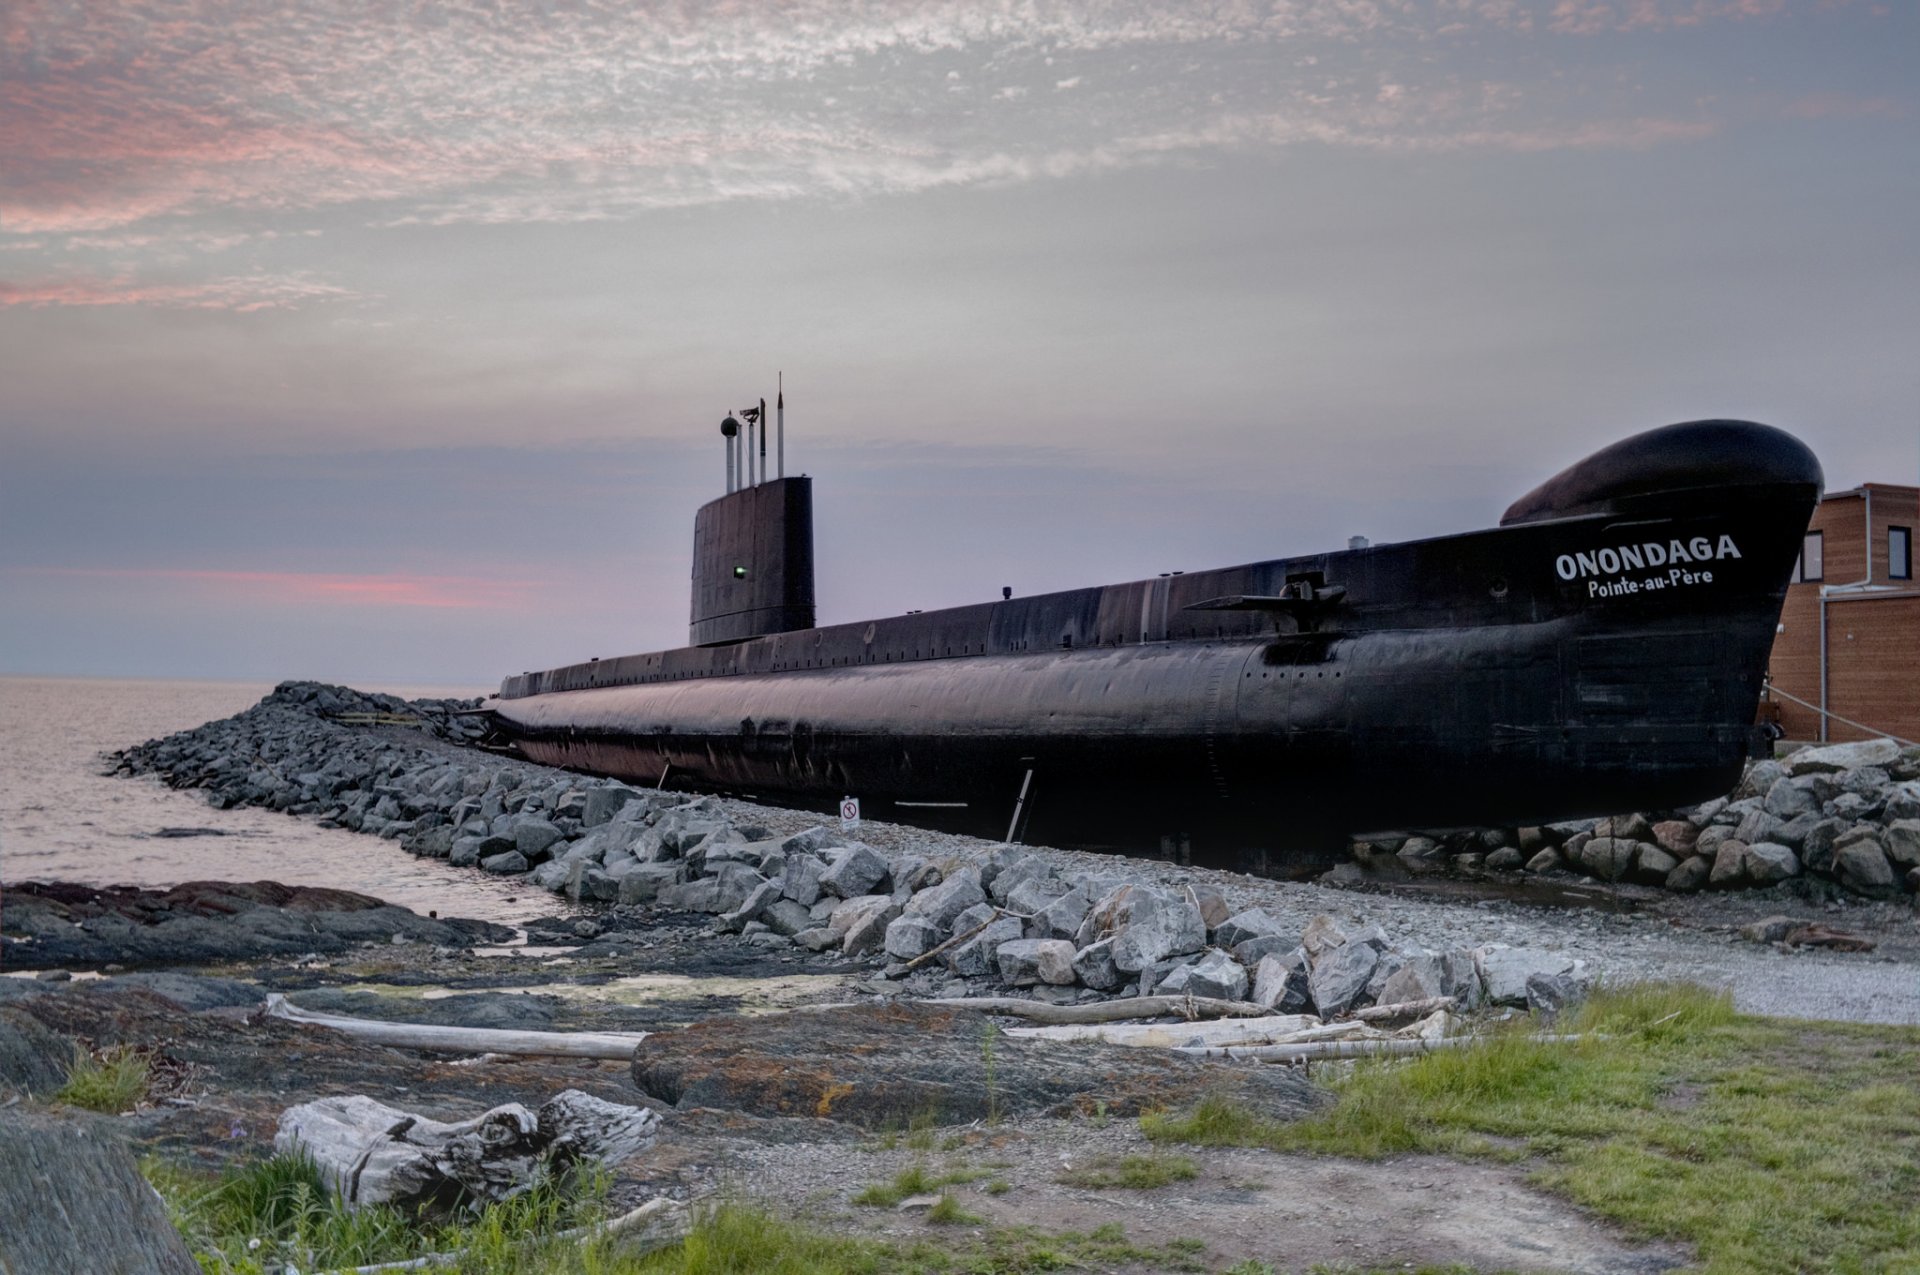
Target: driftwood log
x=1224, y=1031
x=1115, y=1011
x=617, y=1046
x=371, y=1153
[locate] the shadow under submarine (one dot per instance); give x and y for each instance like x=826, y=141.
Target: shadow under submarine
x=1601, y=650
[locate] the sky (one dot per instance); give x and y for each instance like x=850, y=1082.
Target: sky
x=390, y=343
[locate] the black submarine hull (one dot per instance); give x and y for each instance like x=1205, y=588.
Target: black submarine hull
x=1602, y=649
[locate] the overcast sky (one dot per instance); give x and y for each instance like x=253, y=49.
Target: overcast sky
x=394, y=348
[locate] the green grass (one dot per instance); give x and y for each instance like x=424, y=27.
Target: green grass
x=1134, y=1172
x=262, y=1217
x=949, y=1213
x=1772, y=1145
x=109, y=1080
x=916, y=1179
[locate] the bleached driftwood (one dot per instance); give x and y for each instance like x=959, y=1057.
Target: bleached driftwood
x=1388, y=1047
x=1189, y=1007
x=1225, y=1031
x=1403, y=1009
x=371, y=1153
x=617, y=1046
x=658, y=1223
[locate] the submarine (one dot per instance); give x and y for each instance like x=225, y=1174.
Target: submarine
x=1602, y=648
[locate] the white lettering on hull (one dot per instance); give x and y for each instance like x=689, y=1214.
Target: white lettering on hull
x=1587, y=564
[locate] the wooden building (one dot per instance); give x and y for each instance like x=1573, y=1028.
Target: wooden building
x=1849, y=637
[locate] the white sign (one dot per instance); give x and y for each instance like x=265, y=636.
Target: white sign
x=849, y=813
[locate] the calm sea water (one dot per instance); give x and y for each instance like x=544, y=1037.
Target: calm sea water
x=63, y=818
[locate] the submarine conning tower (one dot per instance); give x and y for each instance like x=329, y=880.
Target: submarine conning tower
x=753, y=547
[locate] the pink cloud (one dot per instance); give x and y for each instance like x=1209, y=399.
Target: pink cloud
x=310, y=588
x=242, y=295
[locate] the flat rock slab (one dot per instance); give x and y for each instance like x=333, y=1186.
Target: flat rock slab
x=72, y=1200
x=887, y=1064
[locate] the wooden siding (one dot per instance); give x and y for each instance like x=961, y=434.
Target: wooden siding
x=1876, y=672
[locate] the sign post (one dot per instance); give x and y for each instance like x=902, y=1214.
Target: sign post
x=849, y=814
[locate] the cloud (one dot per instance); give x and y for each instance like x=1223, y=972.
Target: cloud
x=118, y=116
x=242, y=295
x=316, y=588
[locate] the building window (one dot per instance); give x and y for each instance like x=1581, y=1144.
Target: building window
x=1812, y=566
x=1900, y=553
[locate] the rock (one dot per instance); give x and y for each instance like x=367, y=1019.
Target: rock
x=1625, y=828
x=733, y=884
x=1547, y=860
x=1760, y=776
x=1770, y=930
x=1729, y=865
x=693, y=896
x=1901, y=840
x=1757, y=825
x=1251, y=924
x=33, y=1060
x=1652, y=864
x=1146, y=926
x=1551, y=995
x=510, y=862
x=914, y=873
x=645, y=883
x=1281, y=984
x=1034, y=893
x=1505, y=970
x=1340, y=975
x=942, y=903
x=1833, y=757
x=602, y=804
x=1026, y=962
x=1419, y=978
x=1788, y=798
x=857, y=870
x=910, y=936
x=784, y=916
x=192, y=992
x=881, y=1066
x=977, y=956
x=71, y=1199
x=1323, y=934
x=1676, y=836
x=1012, y=874
x=1420, y=848
x=1094, y=966
x=999, y=859
x=1212, y=904
x=1506, y=859
x=1769, y=861
x=1794, y=832
x=752, y=909
x=1903, y=801
x=818, y=939
x=1609, y=858
x=1215, y=974
x=1250, y=952
x=1062, y=918
x=800, y=878
x=1816, y=847
x=1691, y=875
x=974, y=917
x=534, y=837
x=1861, y=864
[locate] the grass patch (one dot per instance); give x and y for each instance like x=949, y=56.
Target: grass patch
x=108, y=1080
x=916, y=1179
x=278, y=1213
x=1133, y=1172
x=949, y=1213
x=1774, y=1146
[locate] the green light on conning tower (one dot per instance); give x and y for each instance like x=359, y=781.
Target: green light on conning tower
x=739, y=573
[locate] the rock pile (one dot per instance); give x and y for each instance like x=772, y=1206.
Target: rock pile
x=1845, y=817
x=1009, y=920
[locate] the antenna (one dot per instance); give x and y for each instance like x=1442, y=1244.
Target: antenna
x=730, y=430
x=763, y=439
x=780, y=419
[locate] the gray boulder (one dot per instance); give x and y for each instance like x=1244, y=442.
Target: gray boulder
x=1093, y=965
x=751, y=909
x=1691, y=875
x=1862, y=865
x=1758, y=825
x=1062, y=918
x=602, y=804
x=1901, y=839
x=868, y=930
x=1280, y=984
x=1769, y=861
x=1027, y=962
x=976, y=957
x=504, y=864
x=942, y=903
x=855, y=871
x=1547, y=860
x=1903, y=801
x=1504, y=971
x=1834, y=757
x=800, y=878
x=1789, y=797
x=1322, y=935
x=910, y=936
x=1215, y=975
x=1157, y=926
x=1034, y=893
x=1254, y=923
x=1729, y=865
x=645, y=882
x=534, y=837
x=785, y=917
x=1340, y=975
